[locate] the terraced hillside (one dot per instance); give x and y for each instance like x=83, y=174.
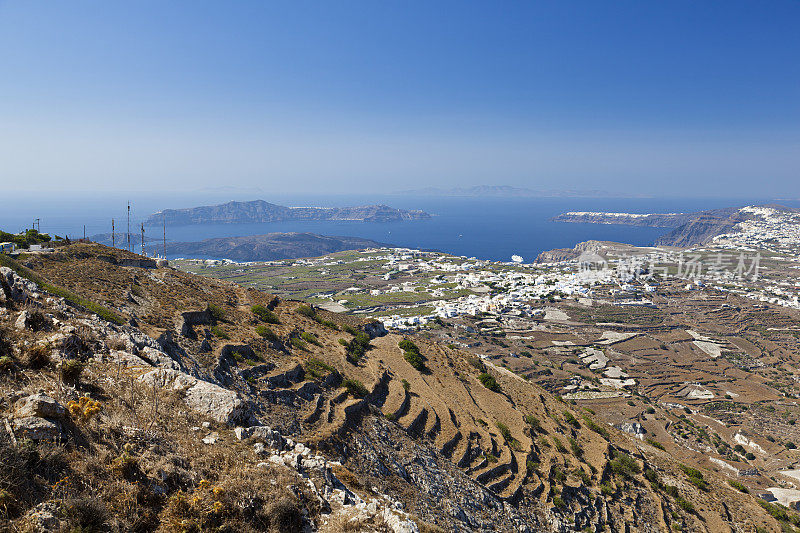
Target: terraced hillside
x=225, y=407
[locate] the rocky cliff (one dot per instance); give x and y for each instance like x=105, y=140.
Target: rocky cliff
x=261, y=211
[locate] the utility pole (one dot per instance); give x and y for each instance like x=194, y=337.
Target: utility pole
x=129, y=226
x=143, y=240
x=113, y=235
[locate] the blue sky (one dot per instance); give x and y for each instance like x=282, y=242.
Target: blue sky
x=678, y=97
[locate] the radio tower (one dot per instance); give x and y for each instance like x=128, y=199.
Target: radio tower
x=129, y=226
x=143, y=240
x=165, y=235
x=113, y=235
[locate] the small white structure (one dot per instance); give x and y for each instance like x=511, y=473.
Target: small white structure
x=7, y=247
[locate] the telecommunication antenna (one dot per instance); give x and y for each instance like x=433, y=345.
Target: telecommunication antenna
x=113, y=235
x=84, y=232
x=143, y=240
x=165, y=235
x=36, y=224
x=129, y=226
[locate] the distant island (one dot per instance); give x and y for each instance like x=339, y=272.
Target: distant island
x=270, y=247
x=261, y=211
x=507, y=191
x=689, y=229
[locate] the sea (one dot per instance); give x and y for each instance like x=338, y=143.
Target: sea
x=486, y=228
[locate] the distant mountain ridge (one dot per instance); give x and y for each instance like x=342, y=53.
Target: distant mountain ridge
x=262, y=211
x=271, y=246
x=503, y=191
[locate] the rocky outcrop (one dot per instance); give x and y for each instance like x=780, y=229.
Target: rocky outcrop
x=568, y=254
x=38, y=417
x=374, y=329
x=219, y=403
x=261, y=211
x=188, y=319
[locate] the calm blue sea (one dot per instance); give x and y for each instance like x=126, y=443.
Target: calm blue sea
x=487, y=228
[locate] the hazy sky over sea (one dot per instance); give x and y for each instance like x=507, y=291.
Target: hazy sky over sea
x=676, y=97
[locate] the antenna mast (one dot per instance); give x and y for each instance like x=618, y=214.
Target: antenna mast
x=165, y=235
x=113, y=235
x=129, y=226
x=144, y=254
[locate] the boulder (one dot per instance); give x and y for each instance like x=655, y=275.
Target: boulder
x=188, y=319
x=158, y=358
x=43, y=518
x=375, y=328
x=124, y=358
x=219, y=403
x=262, y=434
x=39, y=405
x=37, y=428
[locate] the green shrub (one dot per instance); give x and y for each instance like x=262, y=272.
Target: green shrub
x=317, y=368
x=219, y=333
x=6, y=364
x=265, y=315
x=624, y=465
x=583, y=476
x=559, y=445
x=267, y=333
x=651, y=476
x=654, y=443
x=559, y=502
x=307, y=311
x=310, y=338
x=299, y=343
x=684, y=504
x=71, y=370
x=650, y=410
x=594, y=426
x=489, y=382
x=738, y=486
x=330, y=325
x=406, y=385
x=355, y=388
x=408, y=346
x=535, y=425
x=695, y=477
x=415, y=360
x=216, y=313
x=357, y=347
x=577, y=451
x=571, y=420
x=476, y=363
